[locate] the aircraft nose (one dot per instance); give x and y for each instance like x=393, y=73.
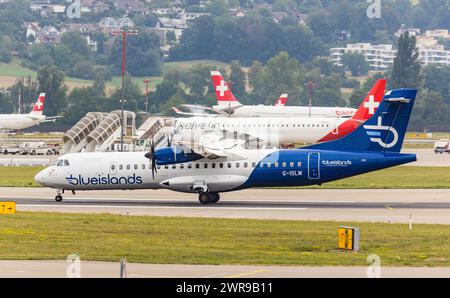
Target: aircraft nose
x=40, y=177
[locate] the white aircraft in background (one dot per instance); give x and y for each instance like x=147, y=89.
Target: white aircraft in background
x=201, y=111
x=373, y=146
x=22, y=121
x=215, y=134
x=228, y=104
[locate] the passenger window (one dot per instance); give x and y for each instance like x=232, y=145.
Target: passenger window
x=213, y=165
x=221, y=165
x=158, y=167
x=291, y=164
x=229, y=165
x=121, y=167
x=143, y=166
x=113, y=167
x=245, y=164
x=182, y=166
x=128, y=167
x=174, y=167
x=276, y=165
x=66, y=163
x=269, y=164
x=205, y=166
x=197, y=166
x=136, y=167
x=60, y=163
x=166, y=167
x=189, y=166
x=262, y=165
x=253, y=164
x=299, y=164
x=284, y=164
x=237, y=165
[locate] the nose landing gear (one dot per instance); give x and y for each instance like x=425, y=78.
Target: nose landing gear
x=206, y=198
x=59, y=194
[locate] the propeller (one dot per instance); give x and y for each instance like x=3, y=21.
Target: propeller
x=151, y=156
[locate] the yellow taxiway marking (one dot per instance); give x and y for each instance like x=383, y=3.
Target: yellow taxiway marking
x=388, y=207
x=247, y=273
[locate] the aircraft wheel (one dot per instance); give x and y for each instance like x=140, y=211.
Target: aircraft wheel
x=204, y=198
x=58, y=198
x=215, y=197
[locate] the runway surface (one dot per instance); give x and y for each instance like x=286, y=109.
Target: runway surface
x=394, y=206
x=427, y=158
x=47, y=269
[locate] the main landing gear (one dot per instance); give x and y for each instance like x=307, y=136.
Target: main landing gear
x=206, y=198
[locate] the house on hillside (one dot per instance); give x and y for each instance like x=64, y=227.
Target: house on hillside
x=94, y=6
x=42, y=35
x=109, y=24
x=132, y=7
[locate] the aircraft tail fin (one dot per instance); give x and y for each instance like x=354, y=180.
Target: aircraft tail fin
x=38, y=107
x=384, y=131
x=282, y=100
x=372, y=101
x=223, y=92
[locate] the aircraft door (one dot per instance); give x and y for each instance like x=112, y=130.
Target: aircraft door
x=113, y=168
x=314, y=166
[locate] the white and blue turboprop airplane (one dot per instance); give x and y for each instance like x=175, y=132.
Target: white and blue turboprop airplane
x=373, y=146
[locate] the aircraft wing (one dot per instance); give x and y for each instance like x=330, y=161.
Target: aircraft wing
x=214, y=145
x=179, y=112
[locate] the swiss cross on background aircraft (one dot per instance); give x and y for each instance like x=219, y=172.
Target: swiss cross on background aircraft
x=222, y=88
x=39, y=106
x=372, y=105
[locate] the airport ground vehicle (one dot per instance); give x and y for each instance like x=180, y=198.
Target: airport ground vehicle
x=12, y=150
x=442, y=146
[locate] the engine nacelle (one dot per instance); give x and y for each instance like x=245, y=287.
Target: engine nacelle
x=175, y=155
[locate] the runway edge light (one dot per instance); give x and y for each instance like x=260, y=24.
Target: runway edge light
x=348, y=238
x=7, y=207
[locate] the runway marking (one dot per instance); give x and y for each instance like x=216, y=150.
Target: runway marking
x=159, y=207
x=247, y=273
x=188, y=199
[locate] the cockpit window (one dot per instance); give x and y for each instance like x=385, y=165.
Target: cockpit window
x=66, y=163
x=60, y=163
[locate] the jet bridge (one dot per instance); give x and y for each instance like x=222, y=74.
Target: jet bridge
x=75, y=139
x=157, y=129
x=109, y=130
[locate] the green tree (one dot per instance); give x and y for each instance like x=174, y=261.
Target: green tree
x=282, y=74
x=406, y=71
x=28, y=89
x=81, y=101
x=143, y=57
x=51, y=81
x=77, y=43
x=238, y=79
x=355, y=63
